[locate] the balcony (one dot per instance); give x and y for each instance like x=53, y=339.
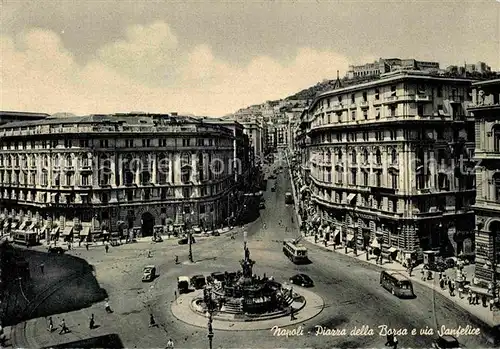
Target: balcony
x=398, y=99
x=364, y=105
x=339, y=107
x=456, y=99
x=69, y=168
x=422, y=98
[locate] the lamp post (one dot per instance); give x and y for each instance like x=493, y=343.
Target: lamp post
x=210, y=309
x=355, y=234
x=187, y=219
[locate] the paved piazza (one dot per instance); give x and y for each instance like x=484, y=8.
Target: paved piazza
x=350, y=291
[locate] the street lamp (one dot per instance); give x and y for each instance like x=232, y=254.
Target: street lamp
x=211, y=309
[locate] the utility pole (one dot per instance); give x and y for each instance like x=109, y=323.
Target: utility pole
x=190, y=238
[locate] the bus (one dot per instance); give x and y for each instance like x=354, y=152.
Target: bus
x=295, y=252
x=27, y=238
x=397, y=284
x=288, y=198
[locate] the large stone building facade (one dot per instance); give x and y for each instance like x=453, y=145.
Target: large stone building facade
x=112, y=172
x=391, y=165
x=486, y=111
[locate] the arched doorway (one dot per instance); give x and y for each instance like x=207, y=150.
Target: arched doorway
x=148, y=222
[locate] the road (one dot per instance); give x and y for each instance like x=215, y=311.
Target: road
x=351, y=291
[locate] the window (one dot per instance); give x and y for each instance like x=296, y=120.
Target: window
x=366, y=156
x=365, y=178
x=379, y=135
x=393, y=91
x=186, y=142
x=365, y=136
x=377, y=94
x=365, y=97
x=394, y=180
x=353, y=98
x=162, y=142
x=104, y=198
x=68, y=143
x=496, y=182
x=354, y=174
x=147, y=194
x=378, y=178
x=146, y=143
x=104, y=143
x=353, y=157
x=420, y=110
x=186, y=175
x=365, y=114
x=394, y=204
x=145, y=178
x=377, y=114
x=393, y=135
x=201, y=142
x=129, y=143
x=394, y=156
x=353, y=115
x=392, y=111
x=339, y=98
x=186, y=192
x=339, y=137
x=443, y=181
x=439, y=91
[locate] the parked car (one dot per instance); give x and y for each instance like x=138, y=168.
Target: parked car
x=302, y=280
x=219, y=276
x=446, y=342
x=183, y=284
x=56, y=249
x=148, y=273
x=198, y=281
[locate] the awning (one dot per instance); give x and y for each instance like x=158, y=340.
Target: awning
x=351, y=197
x=350, y=237
x=44, y=228
x=105, y=232
x=14, y=225
x=335, y=233
x=391, y=249
x=328, y=229
x=85, y=231
x=67, y=231
x=375, y=244
x=32, y=226
x=23, y=224
x=479, y=290
x=304, y=188
x=197, y=229
x=55, y=231
x=316, y=219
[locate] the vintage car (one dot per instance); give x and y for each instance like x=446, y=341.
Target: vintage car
x=149, y=273
x=56, y=249
x=183, y=284
x=198, y=281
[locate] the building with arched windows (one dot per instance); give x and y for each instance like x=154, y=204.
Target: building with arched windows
x=486, y=111
x=390, y=164
x=106, y=173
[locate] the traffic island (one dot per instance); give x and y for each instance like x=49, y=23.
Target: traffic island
x=188, y=309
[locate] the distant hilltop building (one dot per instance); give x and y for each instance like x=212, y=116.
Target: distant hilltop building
x=386, y=65
x=476, y=68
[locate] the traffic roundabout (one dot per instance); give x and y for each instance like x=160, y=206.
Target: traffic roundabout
x=188, y=309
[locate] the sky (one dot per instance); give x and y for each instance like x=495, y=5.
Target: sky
x=214, y=57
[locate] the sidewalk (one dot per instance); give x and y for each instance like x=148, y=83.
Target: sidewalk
x=480, y=312
x=34, y=334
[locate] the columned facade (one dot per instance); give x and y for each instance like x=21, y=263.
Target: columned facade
x=486, y=110
x=390, y=165
x=107, y=173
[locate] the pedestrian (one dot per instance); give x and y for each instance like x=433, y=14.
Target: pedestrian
x=152, y=322
x=170, y=343
x=394, y=343
x=441, y=283
x=460, y=291
x=87, y=246
x=423, y=274
x=175, y=295
x=469, y=296
x=92, y=322
x=389, y=340
x=483, y=299
x=64, y=328
x=79, y=243
x=50, y=326
x=106, y=247
x=42, y=266
x=292, y=315
x=149, y=254
x=107, y=307
x=69, y=245
x=440, y=275
x=492, y=303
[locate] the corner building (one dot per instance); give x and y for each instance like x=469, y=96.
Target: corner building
x=486, y=111
x=87, y=175
x=391, y=165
